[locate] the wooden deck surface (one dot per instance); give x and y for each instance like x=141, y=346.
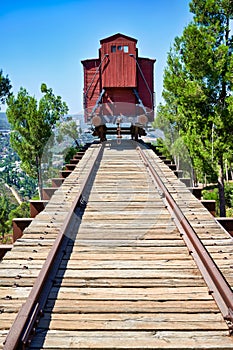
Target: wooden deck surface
x=128, y=280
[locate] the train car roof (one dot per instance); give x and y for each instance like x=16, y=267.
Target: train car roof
x=116, y=36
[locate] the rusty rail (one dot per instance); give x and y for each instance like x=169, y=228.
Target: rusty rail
x=217, y=284
x=18, y=335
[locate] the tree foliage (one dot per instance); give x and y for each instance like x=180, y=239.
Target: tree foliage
x=32, y=124
x=68, y=128
x=5, y=87
x=22, y=211
x=198, y=83
x=4, y=211
x=9, y=211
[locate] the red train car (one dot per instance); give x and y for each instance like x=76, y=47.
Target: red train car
x=119, y=84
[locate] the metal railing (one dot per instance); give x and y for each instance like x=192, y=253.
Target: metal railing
x=20, y=331
x=217, y=284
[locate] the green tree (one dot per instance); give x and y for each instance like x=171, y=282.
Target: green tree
x=68, y=128
x=4, y=211
x=69, y=153
x=5, y=87
x=198, y=80
x=22, y=211
x=32, y=125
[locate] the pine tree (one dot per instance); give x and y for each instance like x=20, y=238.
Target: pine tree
x=5, y=87
x=199, y=80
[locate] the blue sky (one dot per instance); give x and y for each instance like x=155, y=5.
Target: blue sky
x=45, y=40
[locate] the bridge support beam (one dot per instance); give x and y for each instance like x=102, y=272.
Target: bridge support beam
x=227, y=223
x=65, y=173
x=57, y=181
x=19, y=225
x=210, y=205
x=4, y=248
x=196, y=191
x=48, y=192
x=178, y=173
x=172, y=167
x=36, y=206
x=70, y=166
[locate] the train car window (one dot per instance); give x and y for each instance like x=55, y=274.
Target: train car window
x=124, y=48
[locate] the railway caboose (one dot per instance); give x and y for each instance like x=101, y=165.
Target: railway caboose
x=118, y=86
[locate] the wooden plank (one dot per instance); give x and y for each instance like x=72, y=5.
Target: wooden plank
x=124, y=273
x=127, y=306
x=165, y=293
x=139, y=321
x=78, y=254
x=106, y=264
x=107, y=282
x=128, y=282
x=128, y=264
x=133, y=340
x=127, y=242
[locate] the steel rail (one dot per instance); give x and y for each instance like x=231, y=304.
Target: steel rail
x=217, y=284
x=18, y=334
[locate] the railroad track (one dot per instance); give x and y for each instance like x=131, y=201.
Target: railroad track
x=122, y=257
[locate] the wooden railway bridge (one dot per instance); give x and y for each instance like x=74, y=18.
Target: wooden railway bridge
x=123, y=256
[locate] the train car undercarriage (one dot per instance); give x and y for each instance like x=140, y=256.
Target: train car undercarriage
x=103, y=130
